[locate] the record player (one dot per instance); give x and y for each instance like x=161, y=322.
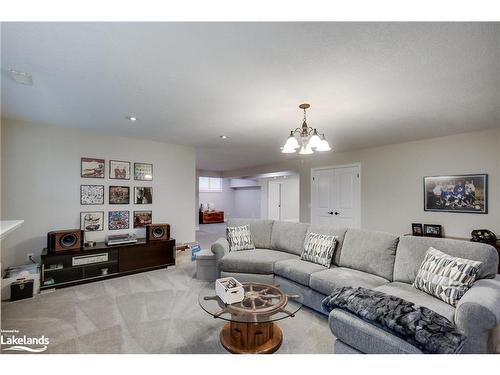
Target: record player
x=120, y=239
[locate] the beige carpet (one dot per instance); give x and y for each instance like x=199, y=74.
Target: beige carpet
x=151, y=312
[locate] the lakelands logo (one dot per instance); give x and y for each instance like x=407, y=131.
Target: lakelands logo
x=17, y=343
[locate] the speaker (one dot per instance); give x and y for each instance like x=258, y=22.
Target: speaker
x=157, y=232
x=61, y=240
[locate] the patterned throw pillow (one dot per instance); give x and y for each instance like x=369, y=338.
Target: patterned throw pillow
x=446, y=277
x=319, y=248
x=239, y=238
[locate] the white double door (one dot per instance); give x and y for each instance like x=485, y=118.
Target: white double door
x=335, y=196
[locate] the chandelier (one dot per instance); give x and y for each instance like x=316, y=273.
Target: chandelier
x=309, y=140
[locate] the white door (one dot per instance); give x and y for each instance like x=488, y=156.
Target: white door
x=335, y=197
x=274, y=204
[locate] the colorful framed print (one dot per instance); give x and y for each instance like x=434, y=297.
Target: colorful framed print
x=142, y=218
x=118, y=220
x=119, y=195
x=92, y=168
x=92, y=221
x=91, y=194
x=461, y=193
x=143, y=171
x=143, y=195
x=119, y=170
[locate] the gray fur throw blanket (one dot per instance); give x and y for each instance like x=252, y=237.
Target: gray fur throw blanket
x=418, y=325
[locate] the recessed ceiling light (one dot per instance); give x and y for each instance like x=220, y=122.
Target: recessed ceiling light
x=131, y=118
x=223, y=136
x=21, y=77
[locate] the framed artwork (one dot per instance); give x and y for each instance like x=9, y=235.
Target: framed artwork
x=118, y=220
x=92, y=168
x=143, y=195
x=142, y=218
x=91, y=194
x=119, y=195
x=432, y=230
x=119, y=170
x=92, y=221
x=143, y=171
x=417, y=229
x=461, y=193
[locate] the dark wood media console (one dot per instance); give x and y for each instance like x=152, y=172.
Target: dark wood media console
x=101, y=262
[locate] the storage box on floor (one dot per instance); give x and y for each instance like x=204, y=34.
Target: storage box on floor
x=15, y=274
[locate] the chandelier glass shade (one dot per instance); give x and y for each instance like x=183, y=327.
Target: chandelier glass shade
x=305, y=138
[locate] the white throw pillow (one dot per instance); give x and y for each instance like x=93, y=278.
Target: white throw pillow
x=239, y=238
x=319, y=248
x=446, y=277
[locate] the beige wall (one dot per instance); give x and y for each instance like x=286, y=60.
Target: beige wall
x=392, y=184
x=41, y=182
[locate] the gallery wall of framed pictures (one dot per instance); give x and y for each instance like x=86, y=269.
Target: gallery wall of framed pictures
x=115, y=193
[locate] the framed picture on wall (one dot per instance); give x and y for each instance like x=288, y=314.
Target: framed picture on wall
x=92, y=168
x=91, y=194
x=432, y=230
x=460, y=193
x=118, y=220
x=119, y=170
x=119, y=195
x=143, y=171
x=417, y=229
x=142, y=218
x=92, y=221
x=143, y=195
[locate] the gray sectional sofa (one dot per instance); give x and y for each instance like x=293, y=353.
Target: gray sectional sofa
x=375, y=260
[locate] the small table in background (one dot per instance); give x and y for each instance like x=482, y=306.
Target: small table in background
x=210, y=217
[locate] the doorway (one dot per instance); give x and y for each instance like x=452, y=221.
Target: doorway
x=336, y=196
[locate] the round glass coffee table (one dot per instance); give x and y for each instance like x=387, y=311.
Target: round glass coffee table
x=250, y=326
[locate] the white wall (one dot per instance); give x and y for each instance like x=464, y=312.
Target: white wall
x=247, y=202
x=392, y=180
x=41, y=183
x=290, y=197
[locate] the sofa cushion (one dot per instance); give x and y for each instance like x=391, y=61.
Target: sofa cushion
x=331, y=231
x=319, y=249
x=260, y=230
x=446, y=277
x=336, y=277
x=366, y=337
x=297, y=270
x=409, y=293
x=289, y=237
x=239, y=238
x=411, y=252
x=369, y=251
x=253, y=261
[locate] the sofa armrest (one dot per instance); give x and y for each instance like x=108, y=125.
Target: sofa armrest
x=220, y=248
x=478, y=311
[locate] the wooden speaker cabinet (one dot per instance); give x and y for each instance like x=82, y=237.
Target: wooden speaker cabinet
x=63, y=240
x=157, y=232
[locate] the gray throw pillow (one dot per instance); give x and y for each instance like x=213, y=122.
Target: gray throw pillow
x=446, y=277
x=239, y=238
x=319, y=248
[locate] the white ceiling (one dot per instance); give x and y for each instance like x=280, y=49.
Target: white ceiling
x=369, y=84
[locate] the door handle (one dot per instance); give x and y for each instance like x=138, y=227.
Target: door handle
x=333, y=213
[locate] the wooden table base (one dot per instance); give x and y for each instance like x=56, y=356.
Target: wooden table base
x=251, y=338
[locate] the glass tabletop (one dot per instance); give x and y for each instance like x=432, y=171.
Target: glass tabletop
x=261, y=303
